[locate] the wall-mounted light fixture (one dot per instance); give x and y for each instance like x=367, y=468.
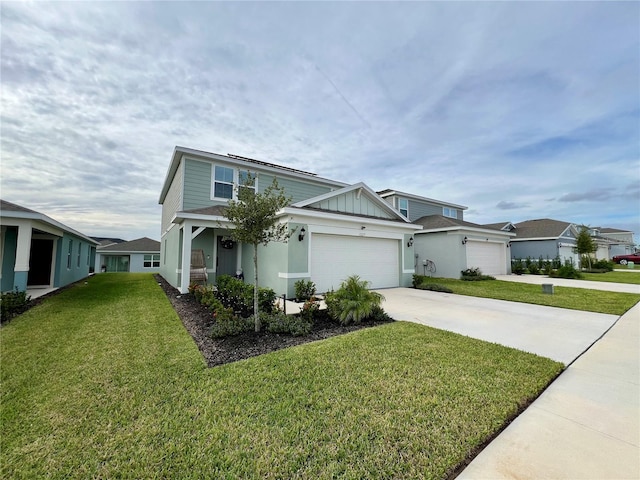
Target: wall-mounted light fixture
x=464, y=241
x=362, y=227
x=509, y=245
x=410, y=242
x=301, y=234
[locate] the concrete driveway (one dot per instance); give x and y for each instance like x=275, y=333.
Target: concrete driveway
x=555, y=333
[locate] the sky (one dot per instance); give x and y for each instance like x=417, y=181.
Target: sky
x=516, y=110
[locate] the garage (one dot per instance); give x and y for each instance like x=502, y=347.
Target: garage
x=488, y=256
x=335, y=257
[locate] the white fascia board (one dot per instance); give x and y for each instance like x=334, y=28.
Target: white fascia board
x=129, y=252
x=205, y=220
x=422, y=199
x=533, y=239
x=302, y=213
x=47, y=220
x=371, y=194
x=462, y=228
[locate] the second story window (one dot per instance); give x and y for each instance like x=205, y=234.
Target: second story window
x=242, y=179
x=450, y=212
x=223, y=182
x=403, y=206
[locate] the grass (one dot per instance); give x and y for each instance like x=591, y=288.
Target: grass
x=103, y=381
x=616, y=277
x=564, y=297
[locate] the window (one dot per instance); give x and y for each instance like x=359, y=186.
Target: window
x=223, y=182
x=450, y=212
x=79, y=253
x=242, y=178
x=403, y=206
x=69, y=254
x=151, y=261
x=88, y=255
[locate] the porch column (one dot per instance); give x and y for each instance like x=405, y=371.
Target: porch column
x=186, y=256
x=23, y=252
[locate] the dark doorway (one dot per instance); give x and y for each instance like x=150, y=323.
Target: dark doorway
x=40, y=262
x=227, y=254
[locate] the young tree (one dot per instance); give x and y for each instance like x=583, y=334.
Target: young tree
x=254, y=217
x=585, y=244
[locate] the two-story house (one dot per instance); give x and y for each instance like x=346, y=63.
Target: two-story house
x=338, y=229
x=449, y=241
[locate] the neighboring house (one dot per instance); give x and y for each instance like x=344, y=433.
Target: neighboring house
x=337, y=229
x=104, y=241
x=38, y=251
x=544, y=238
x=443, y=234
x=141, y=255
x=621, y=242
x=455, y=245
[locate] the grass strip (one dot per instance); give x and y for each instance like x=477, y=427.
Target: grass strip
x=599, y=301
x=103, y=381
x=614, y=277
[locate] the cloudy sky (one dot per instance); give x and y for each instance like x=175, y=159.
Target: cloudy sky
x=516, y=110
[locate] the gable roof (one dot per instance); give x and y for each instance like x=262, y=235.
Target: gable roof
x=389, y=193
x=12, y=210
x=143, y=244
x=614, y=230
x=506, y=226
x=248, y=163
x=542, y=228
x=431, y=223
x=328, y=203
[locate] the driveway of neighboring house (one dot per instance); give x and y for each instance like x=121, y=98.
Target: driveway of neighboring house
x=556, y=333
x=568, y=282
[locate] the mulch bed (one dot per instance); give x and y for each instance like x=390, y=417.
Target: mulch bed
x=198, y=320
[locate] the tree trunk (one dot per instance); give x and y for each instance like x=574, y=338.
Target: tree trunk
x=255, y=287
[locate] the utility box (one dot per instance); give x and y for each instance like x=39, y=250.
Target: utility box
x=547, y=288
x=630, y=265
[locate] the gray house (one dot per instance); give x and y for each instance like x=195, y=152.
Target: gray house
x=621, y=242
x=544, y=238
x=338, y=229
x=140, y=255
x=38, y=252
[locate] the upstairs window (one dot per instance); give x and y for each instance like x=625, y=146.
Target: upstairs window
x=243, y=175
x=223, y=182
x=450, y=212
x=403, y=206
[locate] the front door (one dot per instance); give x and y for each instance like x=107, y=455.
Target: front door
x=40, y=262
x=226, y=258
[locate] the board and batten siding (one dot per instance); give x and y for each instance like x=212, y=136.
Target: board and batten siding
x=197, y=185
x=350, y=202
x=173, y=200
x=297, y=189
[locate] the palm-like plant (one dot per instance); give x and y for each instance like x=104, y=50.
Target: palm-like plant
x=353, y=301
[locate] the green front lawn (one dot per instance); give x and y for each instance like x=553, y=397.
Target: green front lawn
x=103, y=381
x=564, y=297
x=615, y=277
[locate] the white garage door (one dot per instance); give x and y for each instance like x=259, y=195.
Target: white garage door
x=566, y=253
x=335, y=257
x=488, y=256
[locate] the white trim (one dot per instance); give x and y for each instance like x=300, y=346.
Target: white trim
x=348, y=218
x=198, y=231
x=419, y=198
x=413, y=270
x=459, y=228
x=49, y=222
x=293, y=275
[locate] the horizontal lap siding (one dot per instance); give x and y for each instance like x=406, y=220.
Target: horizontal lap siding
x=418, y=210
x=173, y=200
x=197, y=185
x=296, y=189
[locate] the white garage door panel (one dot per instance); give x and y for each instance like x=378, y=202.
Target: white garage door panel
x=335, y=257
x=488, y=256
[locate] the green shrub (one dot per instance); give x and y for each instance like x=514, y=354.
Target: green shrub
x=352, y=302
x=435, y=287
x=566, y=271
x=310, y=310
x=418, y=279
x=379, y=315
x=238, y=296
x=517, y=267
x=534, y=269
x=603, y=264
x=304, y=289
x=13, y=303
x=228, y=324
x=548, y=268
x=278, y=322
x=474, y=275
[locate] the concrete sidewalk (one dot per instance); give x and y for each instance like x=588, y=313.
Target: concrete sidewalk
x=586, y=425
x=568, y=282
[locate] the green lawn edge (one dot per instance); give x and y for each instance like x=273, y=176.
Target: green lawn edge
x=599, y=301
x=103, y=380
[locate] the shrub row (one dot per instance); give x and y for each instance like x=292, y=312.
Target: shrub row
x=13, y=303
